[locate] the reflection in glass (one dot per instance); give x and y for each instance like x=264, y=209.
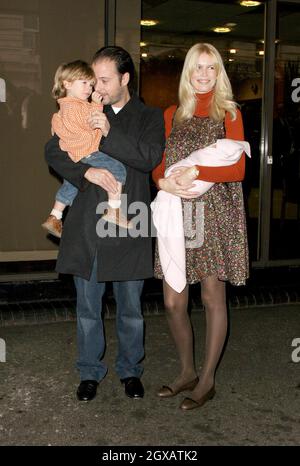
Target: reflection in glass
x=35, y=37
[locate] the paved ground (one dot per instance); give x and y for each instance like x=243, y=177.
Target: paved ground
x=257, y=400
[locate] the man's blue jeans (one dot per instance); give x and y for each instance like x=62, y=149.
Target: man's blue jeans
x=90, y=334
x=67, y=192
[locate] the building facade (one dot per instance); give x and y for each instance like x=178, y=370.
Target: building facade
x=260, y=46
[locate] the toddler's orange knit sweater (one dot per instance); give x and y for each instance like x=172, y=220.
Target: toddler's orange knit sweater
x=71, y=126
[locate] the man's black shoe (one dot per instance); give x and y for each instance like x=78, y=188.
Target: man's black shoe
x=87, y=390
x=133, y=387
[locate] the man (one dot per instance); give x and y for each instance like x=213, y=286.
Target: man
x=133, y=134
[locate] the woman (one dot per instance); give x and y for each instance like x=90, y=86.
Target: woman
x=206, y=112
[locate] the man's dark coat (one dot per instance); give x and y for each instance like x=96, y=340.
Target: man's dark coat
x=136, y=138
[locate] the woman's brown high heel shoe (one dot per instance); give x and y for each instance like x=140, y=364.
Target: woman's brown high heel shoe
x=189, y=403
x=167, y=392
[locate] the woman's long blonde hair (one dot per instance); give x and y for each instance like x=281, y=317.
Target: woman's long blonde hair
x=77, y=69
x=222, y=98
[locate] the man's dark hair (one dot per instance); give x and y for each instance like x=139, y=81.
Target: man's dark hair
x=122, y=59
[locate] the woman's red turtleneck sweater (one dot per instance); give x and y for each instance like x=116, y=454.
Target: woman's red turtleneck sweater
x=233, y=130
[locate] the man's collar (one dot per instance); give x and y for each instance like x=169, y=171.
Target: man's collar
x=128, y=107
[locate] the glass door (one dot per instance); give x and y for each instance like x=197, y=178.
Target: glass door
x=285, y=205
x=170, y=28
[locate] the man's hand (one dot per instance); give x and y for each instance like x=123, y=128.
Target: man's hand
x=102, y=178
x=99, y=120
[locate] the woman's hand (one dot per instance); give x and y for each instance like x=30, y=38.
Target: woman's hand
x=99, y=120
x=170, y=185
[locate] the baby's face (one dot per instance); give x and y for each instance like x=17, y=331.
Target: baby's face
x=79, y=88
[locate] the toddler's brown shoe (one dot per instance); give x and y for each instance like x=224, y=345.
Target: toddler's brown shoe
x=53, y=226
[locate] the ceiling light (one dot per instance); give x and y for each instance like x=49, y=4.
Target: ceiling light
x=148, y=22
x=232, y=51
x=276, y=41
x=261, y=52
x=144, y=55
x=143, y=44
x=249, y=3
x=230, y=59
x=221, y=29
